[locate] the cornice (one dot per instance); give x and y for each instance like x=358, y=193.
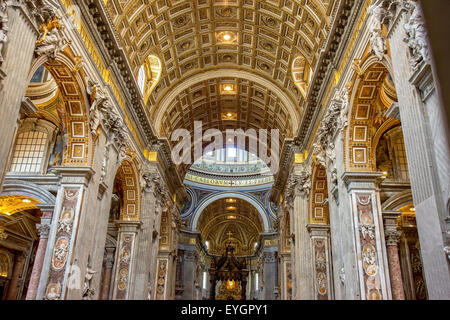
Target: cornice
x=336, y=43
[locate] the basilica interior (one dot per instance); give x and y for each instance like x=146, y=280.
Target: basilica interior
x=345, y=195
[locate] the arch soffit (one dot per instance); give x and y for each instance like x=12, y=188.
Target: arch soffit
x=207, y=201
x=72, y=88
x=28, y=189
x=165, y=103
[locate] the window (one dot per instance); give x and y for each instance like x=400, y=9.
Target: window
x=205, y=275
x=41, y=75
x=402, y=163
x=29, y=152
x=231, y=153
x=301, y=74
x=141, y=79
x=149, y=76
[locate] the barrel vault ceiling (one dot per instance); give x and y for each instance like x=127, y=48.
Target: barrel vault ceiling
x=204, y=45
x=237, y=221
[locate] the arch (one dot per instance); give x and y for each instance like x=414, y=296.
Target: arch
x=398, y=201
x=152, y=70
x=78, y=148
x=364, y=116
x=28, y=189
x=386, y=126
x=319, y=193
x=207, y=201
x=127, y=176
x=164, y=104
x=301, y=73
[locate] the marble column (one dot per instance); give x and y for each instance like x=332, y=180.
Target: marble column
x=190, y=259
x=14, y=286
x=365, y=242
x=427, y=148
x=14, y=72
x=125, y=259
x=44, y=230
x=61, y=276
x=300, y=185
x=144, y=246
x=212, y=288
x=109, y=264
x=321, y=260
x=270, y=274
x=395, y=272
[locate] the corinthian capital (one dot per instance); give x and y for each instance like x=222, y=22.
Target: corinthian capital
x=392, y=237
x=40, y=10
x=150, y=181
x=299, y=184
x=43, y=230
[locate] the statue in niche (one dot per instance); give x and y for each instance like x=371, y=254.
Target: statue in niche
x=56, y=156
x=88, y=291
x=114, y=213
x=378, y=43
x=99, y=106
x=52, y=41
x=3, y=27
x=383, y=160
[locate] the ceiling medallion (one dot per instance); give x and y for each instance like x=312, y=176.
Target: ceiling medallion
x=263, y=66
x=259, y=94
x=270, y=22
x=188, y=66
x=267, y=46
x=185, y=45
x=227, y=58
x=226, y=12
x=144, y=47
x=181, y=21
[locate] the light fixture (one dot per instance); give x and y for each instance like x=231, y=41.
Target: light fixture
x=231, y=200
x=229, y=115
x=227, y=37
x=26, y=200
x=228, y=88
x=412, y=209
x=231, y=208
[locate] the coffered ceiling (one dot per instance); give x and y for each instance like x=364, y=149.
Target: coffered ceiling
x=248, y=106
x=203, y=44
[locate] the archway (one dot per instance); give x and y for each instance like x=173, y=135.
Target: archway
x=231, y=195
x=375, y=143
x=73, y=113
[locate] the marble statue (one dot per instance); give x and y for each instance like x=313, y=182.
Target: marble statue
x=3, y=27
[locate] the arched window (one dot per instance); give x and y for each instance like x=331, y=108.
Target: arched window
x=141, y=79
x=35, y=139
x=301, y=74
x=149, y=75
